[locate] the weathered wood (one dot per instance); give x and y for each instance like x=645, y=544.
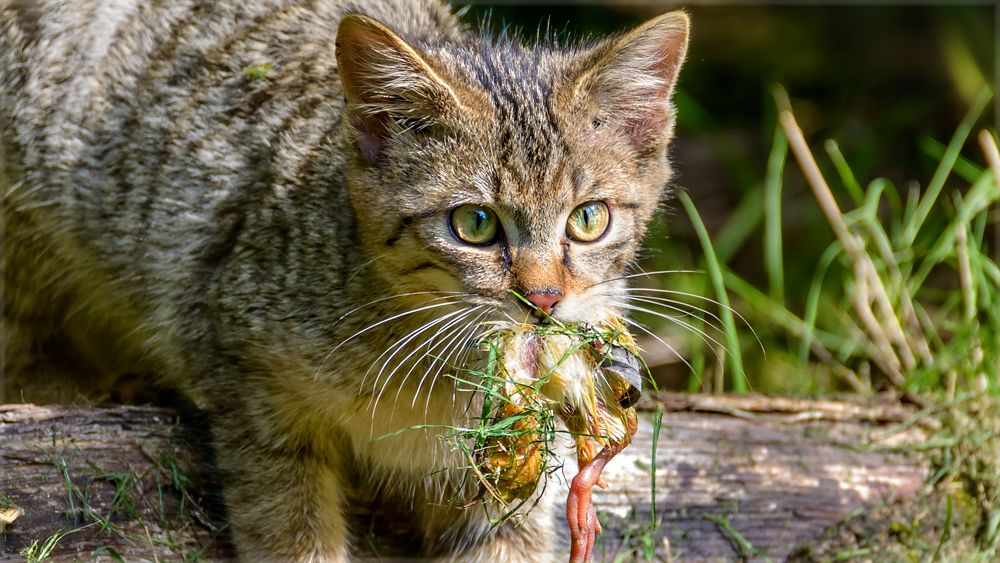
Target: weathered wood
x=778, y=475
x=62, y=466
x=752, y=477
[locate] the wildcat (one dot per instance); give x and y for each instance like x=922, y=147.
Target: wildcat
x=298, y=213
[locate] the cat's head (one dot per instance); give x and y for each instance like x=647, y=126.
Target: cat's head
x=494, y=169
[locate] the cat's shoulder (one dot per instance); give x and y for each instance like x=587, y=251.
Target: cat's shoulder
x=44, y=22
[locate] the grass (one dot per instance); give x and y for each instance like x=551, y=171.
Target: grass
x=39, y=551
x=742, y=545
x=906, y=295
x=654, y=522
x=955, y=516
x=903, y=294
x=648, y=535
x=179, y=480
x=109, y=552
x=113, y=512
x=258, y=72
x=641, y=536
x=738, y=375
x=892, y=307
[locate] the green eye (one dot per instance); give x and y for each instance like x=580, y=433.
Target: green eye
x=588, y=221
x=474, y=224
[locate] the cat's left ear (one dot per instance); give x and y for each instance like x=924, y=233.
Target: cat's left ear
x=388, y=85
x=629, y=79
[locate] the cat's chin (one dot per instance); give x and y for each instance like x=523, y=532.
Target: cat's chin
x=583, y=311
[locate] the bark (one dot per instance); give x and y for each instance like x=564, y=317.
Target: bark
x=748, y=476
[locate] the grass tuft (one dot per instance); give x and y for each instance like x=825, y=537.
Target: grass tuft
x=737, y=375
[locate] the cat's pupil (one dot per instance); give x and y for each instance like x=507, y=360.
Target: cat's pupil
x=588, y=221
x=474, y=224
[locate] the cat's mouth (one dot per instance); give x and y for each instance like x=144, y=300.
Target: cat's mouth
x=571, y=354
x=569, y=309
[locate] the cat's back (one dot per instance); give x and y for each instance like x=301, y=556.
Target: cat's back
x=146, y=131
x=143, y=143
x=88, y=84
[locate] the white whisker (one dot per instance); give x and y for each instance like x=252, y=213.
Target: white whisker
x=441, y=360
x=673, y=305
x=660, y=340
x=426, y=345
x=695, y=330
x=383, y=321
x=400, y=345
x=463, y=340
x=645, y=274
x=473, y=338
x=361, y=268
x=446, y=350
x=478, y=327
x=443, y=294
x=703, y=298
x=440, y=343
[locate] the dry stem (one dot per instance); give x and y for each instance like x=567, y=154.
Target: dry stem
x=895, y=349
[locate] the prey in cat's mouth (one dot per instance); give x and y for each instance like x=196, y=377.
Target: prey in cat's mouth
x=589, y=377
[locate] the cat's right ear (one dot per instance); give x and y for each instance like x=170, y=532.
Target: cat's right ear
x=631, y=78
x=389, y=86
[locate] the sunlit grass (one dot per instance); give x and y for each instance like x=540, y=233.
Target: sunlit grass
x=738, y=377
x=907, y=294
x=918, y=338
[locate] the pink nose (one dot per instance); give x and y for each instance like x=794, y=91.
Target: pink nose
x=545, y=300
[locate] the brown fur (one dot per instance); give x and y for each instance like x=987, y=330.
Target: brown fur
x=278, y=253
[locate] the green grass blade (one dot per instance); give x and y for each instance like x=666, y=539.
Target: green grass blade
x=812, y=301
x=964, y=168
x=992, y=271
x=982, y=194
x=740, y=226
x=698, y=371
x=945, y=168
x=965, y=271
x=657, y=424
x=758, y=301
x=844, y=171
x=715, y=273
x=773, y=258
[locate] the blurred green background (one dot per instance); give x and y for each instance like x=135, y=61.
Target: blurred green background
x=890, y=84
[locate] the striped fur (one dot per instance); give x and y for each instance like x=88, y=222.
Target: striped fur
x=174, y=208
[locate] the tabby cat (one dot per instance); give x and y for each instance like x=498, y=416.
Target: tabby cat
x=298, y=213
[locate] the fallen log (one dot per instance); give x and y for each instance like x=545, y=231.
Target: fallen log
x=733, y=477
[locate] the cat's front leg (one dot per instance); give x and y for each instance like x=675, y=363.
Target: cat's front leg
x=282, y=505
x=473, y=534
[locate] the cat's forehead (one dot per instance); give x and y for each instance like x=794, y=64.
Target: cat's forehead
x=528, y=149
x=529, y=153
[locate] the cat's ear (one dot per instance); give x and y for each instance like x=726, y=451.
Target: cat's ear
x=388, y=84
x=630, y=79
